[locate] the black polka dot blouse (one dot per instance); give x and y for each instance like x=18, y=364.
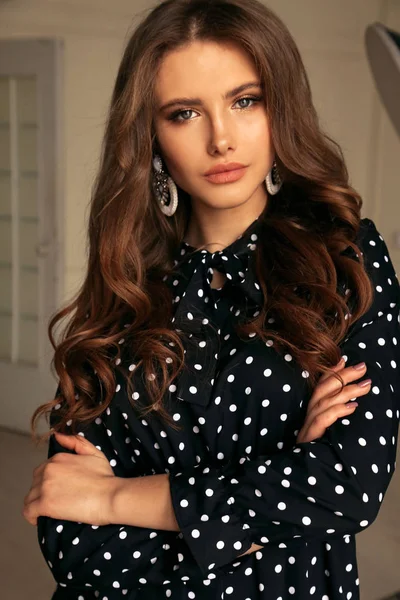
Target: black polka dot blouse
x=237, y=475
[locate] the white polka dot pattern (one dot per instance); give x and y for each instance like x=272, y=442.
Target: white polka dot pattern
x=280, y=511
x=237, y=475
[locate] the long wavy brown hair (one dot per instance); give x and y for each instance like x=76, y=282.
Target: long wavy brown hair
x=312, y=219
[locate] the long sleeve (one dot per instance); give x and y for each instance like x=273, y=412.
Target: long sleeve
x=323, y=489
x=81, y=555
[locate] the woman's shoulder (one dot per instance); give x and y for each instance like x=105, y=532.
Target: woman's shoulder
x=370, y=242
x=373, y=245
x=367, y=229
x=378, y=262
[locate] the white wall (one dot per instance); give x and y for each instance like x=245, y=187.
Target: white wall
x=94, y=34
x=330, y=34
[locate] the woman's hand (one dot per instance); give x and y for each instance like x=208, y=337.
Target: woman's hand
x=327, y=404
x=72, y=487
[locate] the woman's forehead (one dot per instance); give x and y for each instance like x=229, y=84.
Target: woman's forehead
x=203, y=66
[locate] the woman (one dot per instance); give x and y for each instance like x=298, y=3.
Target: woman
x=218, y=453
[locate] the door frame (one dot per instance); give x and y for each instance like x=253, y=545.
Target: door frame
x=23, y=387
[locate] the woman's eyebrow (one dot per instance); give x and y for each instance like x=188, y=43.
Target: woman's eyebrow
x=197, y=101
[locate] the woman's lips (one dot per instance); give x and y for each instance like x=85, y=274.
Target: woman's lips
x=226, y=176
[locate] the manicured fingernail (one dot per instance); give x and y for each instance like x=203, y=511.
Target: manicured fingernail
x=351, y=405
x=340, y=362
x=360, y=366
x=365, y=383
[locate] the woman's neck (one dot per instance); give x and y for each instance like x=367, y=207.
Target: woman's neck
x=215, y=230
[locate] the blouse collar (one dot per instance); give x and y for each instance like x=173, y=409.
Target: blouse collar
x=197, y=303
x=235, y=261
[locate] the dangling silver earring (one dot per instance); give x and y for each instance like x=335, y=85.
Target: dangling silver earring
x=162, y=183
x=273, y=180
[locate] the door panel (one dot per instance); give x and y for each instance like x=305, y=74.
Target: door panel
x=30, y=76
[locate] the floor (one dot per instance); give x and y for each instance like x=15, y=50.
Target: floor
x=24, y=574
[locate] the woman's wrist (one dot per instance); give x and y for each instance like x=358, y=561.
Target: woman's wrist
x=114, y=500
x=142, y=502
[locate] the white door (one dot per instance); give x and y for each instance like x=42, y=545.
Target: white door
x=30, y=240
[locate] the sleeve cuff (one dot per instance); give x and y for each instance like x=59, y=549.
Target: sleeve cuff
x=203, y=500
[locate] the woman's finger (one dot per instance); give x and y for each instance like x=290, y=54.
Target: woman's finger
x=37, y=474
x=31, y=511
x=33, y=494
x=318, y=426
x=331, y=385
x=336, y=368
x=349, y=392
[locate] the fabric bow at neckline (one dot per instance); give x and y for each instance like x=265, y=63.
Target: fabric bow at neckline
x=197, y=304
x=235, y=262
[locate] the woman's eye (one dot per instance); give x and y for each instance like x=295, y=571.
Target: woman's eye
x=175, y=116
x=248, y=98
x=179, y=116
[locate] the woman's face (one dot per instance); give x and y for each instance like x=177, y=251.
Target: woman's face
x=216, y=128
